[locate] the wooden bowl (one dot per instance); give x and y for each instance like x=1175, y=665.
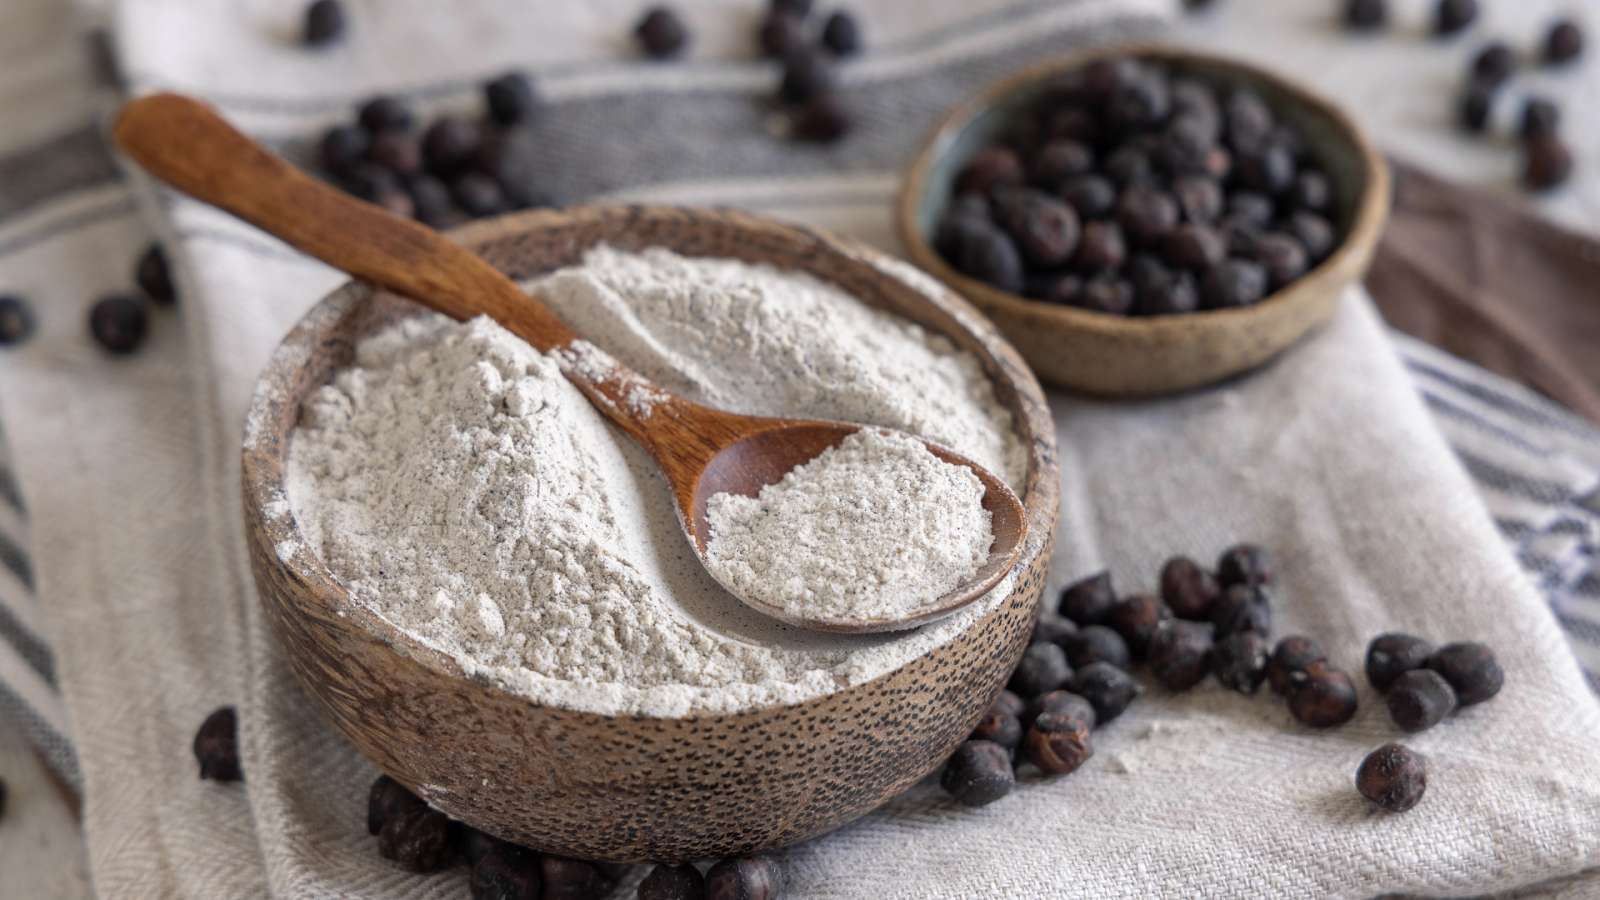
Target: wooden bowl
x=1120, y=356
x=628, y=787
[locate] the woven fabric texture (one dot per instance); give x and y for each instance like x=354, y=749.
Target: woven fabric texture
x=1328, y=455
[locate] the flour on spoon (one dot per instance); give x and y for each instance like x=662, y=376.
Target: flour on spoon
x=874, y=528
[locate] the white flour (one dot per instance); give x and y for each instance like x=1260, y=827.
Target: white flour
x=462, y=488
x=875, y=528
x=755, y=340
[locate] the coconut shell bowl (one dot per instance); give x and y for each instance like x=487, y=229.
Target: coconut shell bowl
x=1129, y=356
x=632, y=787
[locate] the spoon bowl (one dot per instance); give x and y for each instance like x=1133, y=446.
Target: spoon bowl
x=184, y=143
x=764, y=457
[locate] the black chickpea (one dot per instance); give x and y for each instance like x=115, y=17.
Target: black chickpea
x=1393, y=777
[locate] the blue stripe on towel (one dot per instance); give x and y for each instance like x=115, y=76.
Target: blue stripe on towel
x=1538, y=465
x=33, y=701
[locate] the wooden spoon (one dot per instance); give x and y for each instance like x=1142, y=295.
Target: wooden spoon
x=702, y=451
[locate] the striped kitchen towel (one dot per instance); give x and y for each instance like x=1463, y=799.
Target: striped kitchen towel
x=29, y=695
x=1538, y=467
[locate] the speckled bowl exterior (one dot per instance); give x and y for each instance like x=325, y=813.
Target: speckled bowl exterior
x=1119, y=356
x=632, y=788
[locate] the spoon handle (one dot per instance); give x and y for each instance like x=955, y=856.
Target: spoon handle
x=184, y=143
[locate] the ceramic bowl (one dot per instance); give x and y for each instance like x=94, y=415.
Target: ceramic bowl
x=1122, y=356
x=629, y=787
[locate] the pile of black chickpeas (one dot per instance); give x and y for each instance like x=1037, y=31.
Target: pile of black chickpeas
x=1132, y=188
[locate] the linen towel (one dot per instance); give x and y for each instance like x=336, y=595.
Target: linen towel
x=175, y=836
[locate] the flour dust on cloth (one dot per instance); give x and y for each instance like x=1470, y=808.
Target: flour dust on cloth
x=1326, y=455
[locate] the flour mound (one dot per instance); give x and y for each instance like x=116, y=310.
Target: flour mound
x=762, y=341
x=874, y=528
x=462, y=494
x=460, y=487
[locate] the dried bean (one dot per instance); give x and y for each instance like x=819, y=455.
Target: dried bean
x=990, y=168
x=1365, y=15
x=1564, y=42
x=1001, y=728
x=1194, y=247
x=1240, y=661
x=1096, y=643
x=842, y=34
x=1391, y=655
x=661, y=33
x=1393, y=777
x=216, y=746
x=673, y=883
x=450, y=145
x=1493, y=64
x=1107, y=688
x=1088, y=601
x=1451, y=16
x=420, y=839
x=507, y=872
x=1057, y=743
x=977, y=774
x=511, y=98
x=572, y=879
x=1064, y=702
x=821, y=119
x=1172, y=293
x=1325, y=698
x=118, y=323
x=1549, y=162
x=1146, y=214
x=1233, y=283
x=1471, y=669
x=1242, y=607
x=385, y=114
x=1179, y=653
x=1540, y=117
x=386, y=799
x=324, y=23
x=1283, y=257
x=1289, y=662
x=1101, y=249
x=989, y=255
x=1108, y=294
x=16, y=321
x=154, y=277
x=780, y=35
x=1053, y=628
x=1043, y=668
x=1136, y=619
x=1420, y=699
x=1092, y=195
x=1189, y=591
